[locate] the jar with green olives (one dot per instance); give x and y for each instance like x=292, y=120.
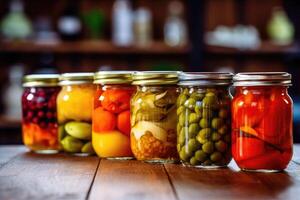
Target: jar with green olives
x=204, y=119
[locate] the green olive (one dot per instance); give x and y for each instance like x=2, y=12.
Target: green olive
x=193, y=145
x=193, y=130
x=216, y=156
x=184, y=155
x=71, y=144
x=181, y=99
x=223, y=113
x=181, y=119
x=194, y=118
x=197, y=96
x=200, y=155
x=223, y=130
x=207, y=162
x=190, y=103
x=227, y=138
x=215, y=136
x=204, y=135
x=194, y=161
x=216, y=123
x=198, y=110
x=221, y=146
x=178, y=148
x=88, y=148
x=204, y=123
x=186, y=92
x=207, y=113
x=208, y=147
x=181, y=137
x=178, y=128
x=180, y=110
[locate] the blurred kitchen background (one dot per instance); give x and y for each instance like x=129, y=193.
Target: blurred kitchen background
x=192, y=35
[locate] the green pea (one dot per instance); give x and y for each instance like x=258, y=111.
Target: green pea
x=181, y=119
x=216, y=156
x=181, y=137
x=215, y=136
x=216, y=123
x=180, y=110
x=190, y=103
x=204, y=123
x=221, y=146
x=208, y=147
x=198, y=110
x=193, y=130
x=223, y=130
x=223, y=113
x=200, y=155
x=193, y=145
x=207, y=113
x=204, y=135
x=227, y=138
x=197, y=96
x=194, y=118
x=194, y=161
x=181, y=99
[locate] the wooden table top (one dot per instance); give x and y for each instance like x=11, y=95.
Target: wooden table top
x=25, y=175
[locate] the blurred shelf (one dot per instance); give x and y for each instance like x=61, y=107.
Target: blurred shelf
x=266, y=48
x=8, y=123
x=90, y=46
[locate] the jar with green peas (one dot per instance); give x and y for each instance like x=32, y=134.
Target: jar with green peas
x=204, y=119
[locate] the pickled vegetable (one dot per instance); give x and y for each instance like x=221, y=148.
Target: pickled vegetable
x=204, y=124
x=153, y=122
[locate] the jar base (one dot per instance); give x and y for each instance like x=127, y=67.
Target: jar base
x=120, y=158
x=46, y=151
x=81, y=154
x=160, y=161
x=261, y=170
x=208, y=167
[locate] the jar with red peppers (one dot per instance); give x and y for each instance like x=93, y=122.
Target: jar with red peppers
x=111, y=115
x=39, y=121
x=262, y=121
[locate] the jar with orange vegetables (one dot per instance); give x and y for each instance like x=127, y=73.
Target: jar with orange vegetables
x=74, y=112
x=111, y=115
x=39, y=120
x=262, y=121
x=153, y=116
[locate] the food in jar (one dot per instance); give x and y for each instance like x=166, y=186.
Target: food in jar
x=204, y=126
x=153, y=122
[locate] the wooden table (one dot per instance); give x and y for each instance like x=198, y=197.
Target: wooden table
x=25, y=175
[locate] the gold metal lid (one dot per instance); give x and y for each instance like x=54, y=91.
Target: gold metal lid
x=76, y=78
x=113, y=77
x=155, y=78
x=262, y=79
x=205, y=78
x=40, y=80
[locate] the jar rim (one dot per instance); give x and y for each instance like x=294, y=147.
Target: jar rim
x=113, y=77
x=155, y=78
x=76, y=78
x=262, y=79
x=205, y=78
x=40, y=80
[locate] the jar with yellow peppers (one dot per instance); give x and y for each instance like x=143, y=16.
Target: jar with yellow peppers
x=153, y=116
x=74, y=112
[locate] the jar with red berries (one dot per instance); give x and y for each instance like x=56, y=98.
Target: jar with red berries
x=39, y=120
x=111, y=137
x=74, y=112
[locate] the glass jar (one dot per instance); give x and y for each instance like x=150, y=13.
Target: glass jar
x=204, y=120
x=153, y=116
x=74, y=112
x=39, y=119
x=262, y=121
x=111, y=137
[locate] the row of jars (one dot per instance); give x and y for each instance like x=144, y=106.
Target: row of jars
x=162, y=117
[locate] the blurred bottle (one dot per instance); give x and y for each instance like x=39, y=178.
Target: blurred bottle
x=143, y=27
x=46, y=64
x=175, y=30
x=122, y=25
x=280, y=28
x=13, y=92
x=94, y=21
x=69, y=23
x=15, y=24
x=44, y=32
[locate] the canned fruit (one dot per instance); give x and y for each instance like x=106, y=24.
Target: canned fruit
x=79, y=130
x=204, y=124
x=123, y=122
x=71, y=144
x=103, y=120
x=116, y=100
x=87, y=148
x=111, y=144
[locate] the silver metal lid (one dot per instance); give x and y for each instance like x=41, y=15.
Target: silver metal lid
x=262, y=79
x=76, y=78
x=205, y=78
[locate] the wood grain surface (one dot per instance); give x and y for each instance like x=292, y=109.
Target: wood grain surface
x=25, y=175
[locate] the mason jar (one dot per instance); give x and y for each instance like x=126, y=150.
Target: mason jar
x=74, y=112
x=39, y=118
x=153, y=116
x=204, y=119
x=262, y=121
x=111, y=115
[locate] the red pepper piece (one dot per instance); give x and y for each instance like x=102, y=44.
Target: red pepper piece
x=115, y=100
